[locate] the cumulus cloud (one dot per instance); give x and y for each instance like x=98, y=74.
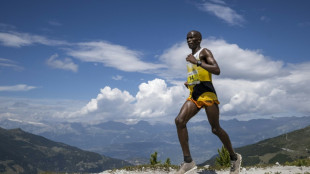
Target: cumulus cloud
x=16, y=39
x=250, y=86
x=110, y=104
x=154, y=101
x=66, y=64
x=236, y=62
x=112, y=55
x=279, y=95
x=221, y=10
x=19, y=87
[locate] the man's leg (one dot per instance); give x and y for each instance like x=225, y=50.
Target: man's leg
x=188, y=110
x=213, y=117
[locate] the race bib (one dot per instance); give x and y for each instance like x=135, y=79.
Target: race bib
x=192, y=74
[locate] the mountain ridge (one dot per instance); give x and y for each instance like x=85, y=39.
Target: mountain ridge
x=23, y=152
x=113, y=138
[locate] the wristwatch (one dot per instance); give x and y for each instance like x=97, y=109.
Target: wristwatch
x=198, y=63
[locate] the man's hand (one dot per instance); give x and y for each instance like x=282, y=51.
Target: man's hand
x=190, y=58
x=186, y=84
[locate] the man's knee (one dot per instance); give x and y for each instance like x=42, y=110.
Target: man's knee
x=217, y=130
x=179, y=122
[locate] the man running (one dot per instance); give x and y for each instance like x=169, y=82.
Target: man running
x=201, y=65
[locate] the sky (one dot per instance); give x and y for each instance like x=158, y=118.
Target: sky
x=116, y=60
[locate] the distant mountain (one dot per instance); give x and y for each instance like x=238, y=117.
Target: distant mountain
x=22, y=152
x=286, y=147
x=136, y=142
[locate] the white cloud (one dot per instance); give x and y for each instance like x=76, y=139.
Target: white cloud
x=250, y=86
x=16, y=39
x=20, y=87
x=117, y=77
x=8, y=39
x=278, y=95
x=110, y=104
x=174, y=58
x=111, y=55
x=66, y=64
x=236, y=62
x=155, y=99
x=240, y=98
x=222, y=11
x=10, y=64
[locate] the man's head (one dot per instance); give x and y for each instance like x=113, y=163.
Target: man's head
x=193, y=39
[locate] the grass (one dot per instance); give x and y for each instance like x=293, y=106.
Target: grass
x=299, y=162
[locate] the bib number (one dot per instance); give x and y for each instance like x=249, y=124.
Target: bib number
x=192, y=74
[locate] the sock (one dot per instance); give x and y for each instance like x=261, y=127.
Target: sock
x=188, y=159
x=233, y=157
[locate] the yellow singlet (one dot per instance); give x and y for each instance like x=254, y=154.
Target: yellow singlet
x=202, y=92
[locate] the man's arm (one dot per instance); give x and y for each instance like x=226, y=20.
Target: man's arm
x=208, y=62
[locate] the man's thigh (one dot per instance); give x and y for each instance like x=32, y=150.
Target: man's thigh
x=188, y=110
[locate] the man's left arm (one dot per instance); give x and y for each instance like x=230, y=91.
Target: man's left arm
x=208, y=62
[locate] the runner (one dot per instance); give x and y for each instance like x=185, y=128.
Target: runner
x=200, y=67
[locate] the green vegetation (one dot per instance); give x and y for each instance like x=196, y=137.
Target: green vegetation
x=284, y=148
x=154, y=165
x=168, y=161
x=223, y=160
x=299, y=162
x=281, y=158
x=153, y=159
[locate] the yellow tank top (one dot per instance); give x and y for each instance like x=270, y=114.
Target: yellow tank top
x=196, y=74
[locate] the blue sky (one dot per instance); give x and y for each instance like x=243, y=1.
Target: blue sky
x=124, y=60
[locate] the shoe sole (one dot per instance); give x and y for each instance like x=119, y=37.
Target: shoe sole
x=191, y=170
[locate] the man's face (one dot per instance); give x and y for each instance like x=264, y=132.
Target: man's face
x=193, y=40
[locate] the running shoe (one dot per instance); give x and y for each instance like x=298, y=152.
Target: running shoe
x=235, y=165
x=186, y=168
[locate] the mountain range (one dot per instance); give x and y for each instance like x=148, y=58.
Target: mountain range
x=134, y=143
x=22, y=152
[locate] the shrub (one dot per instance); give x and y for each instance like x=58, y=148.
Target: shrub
x=224, y=159
x=153, y=159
